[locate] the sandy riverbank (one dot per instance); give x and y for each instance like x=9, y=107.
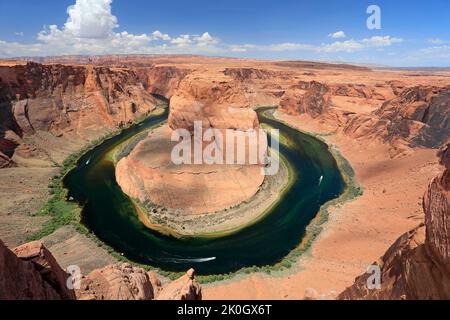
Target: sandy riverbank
x=358, y=232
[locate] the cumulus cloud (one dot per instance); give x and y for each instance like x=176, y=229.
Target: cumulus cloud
x=355, y=45
x=205, y=39
x=158, y=35
x=337, y=35
x=91, y=28
x=91, y=19
x=19, y=34
x=182, y=41
x=187, y=40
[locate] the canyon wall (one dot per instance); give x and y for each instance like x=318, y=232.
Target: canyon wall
x=410, y=117
x=417, y=265
x=81, y=101
x=418, y=116
x=30, y=272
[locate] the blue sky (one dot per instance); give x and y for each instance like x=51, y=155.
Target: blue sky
x=413, y=33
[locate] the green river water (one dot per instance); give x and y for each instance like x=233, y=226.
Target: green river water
x=110, y=214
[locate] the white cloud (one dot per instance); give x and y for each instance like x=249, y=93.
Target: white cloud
x=158, y=35
x=337, y=35
x=182, y=41
x=437, y=41
x=441, y=52
x=342, y=46
x=378, y=41
x=279, y=47
x=197, y=41
x=19, y=34
x=205, y=39
x=91, y=27
x=91, y=19
x=355, y=45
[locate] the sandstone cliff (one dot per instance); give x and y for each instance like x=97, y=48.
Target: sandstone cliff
x=215, y=104
x=419, y=116
x=30, y=272
x=81, y=101
x=417, y=265
x=125, y=282
x=162, y=80
x=313, y=98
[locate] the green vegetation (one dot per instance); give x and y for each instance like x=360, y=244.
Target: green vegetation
x=60, y=211
x=57, y=208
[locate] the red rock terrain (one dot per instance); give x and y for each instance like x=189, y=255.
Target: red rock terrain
x=418, y=116
x=55, y=106
x=30, y=272
x=81, y=101
x=417, y=265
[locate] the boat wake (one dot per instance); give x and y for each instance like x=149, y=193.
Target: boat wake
x=198, y=260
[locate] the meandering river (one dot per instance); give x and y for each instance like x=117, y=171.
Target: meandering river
x=110, y=214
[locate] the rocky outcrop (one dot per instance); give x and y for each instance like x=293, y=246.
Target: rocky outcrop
x=419, y=116
x=220, y=105
x=245, y=74
x=116, y=282
x=163, y=80
x=436, y=205
x=84, y=101
x=185, y=288
x=125, y=282
x=356, y=91
x=30, y=272
x=312, y=98
x=417, y=265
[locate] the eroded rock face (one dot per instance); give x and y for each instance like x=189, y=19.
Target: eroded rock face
x=185, y=288
x=245, y=74
x=85, y=101
x=125, y=282
x=215, y=104
x=417, y=265
x=164, y=80
x=436, y=205
x=408, y=272
x=116, y=282
x=313, y=98
x=30, y=272
x=419, y=116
